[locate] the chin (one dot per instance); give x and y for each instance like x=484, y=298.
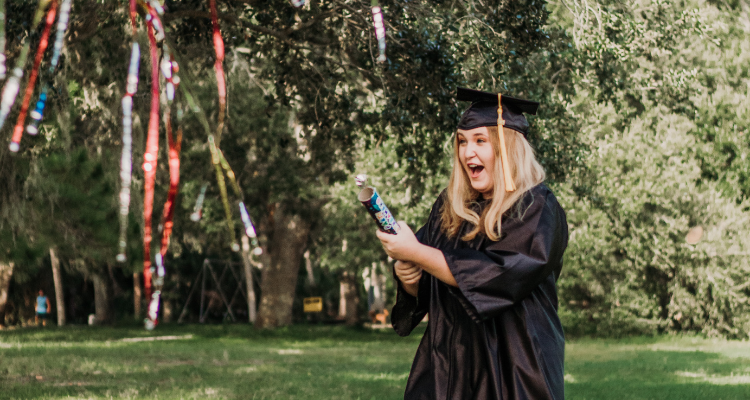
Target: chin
x=481, y=188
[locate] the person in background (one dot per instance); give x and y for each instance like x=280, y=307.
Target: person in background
x=42, y=308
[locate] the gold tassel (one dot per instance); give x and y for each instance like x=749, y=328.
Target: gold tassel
x=509, y=185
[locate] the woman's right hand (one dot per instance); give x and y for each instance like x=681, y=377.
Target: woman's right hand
x=409, y=275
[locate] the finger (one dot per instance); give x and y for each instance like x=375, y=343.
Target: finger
x=413, y=280
x=411, y=274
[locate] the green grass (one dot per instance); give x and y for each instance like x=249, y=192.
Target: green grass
x=326, y=362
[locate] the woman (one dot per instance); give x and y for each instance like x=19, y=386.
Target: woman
x=484, y=268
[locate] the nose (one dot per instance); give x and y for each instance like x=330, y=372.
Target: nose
x=471, y=150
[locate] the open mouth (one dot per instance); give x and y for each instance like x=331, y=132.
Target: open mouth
x=475, y=170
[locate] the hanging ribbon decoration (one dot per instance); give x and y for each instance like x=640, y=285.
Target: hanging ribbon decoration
x=175, y=144
x=246, y=221
x=13, y=84
x=3, y=69
x=133, y=13
x=198, y=208
x=216, y=160
x=377, y=19
x=212, y=142
x=298, y=3
x=43, y=42
x=169, y=70
x=219, y=67
x=149, y=157
x=62, y=25
x=126, y=162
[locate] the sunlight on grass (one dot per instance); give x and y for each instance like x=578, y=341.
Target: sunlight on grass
x=323, y=362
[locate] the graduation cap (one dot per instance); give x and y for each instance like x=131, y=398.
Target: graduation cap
x=494, y=109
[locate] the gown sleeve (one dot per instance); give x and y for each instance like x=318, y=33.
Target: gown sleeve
x=507, y=271
x=409, y=311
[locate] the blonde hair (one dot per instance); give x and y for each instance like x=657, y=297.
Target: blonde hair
x=525, y=170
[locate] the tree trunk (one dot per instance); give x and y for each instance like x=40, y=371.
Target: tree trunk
x=349, y=302
x=102, y=298
x=6, y=273
x=137, y=296
x=310, y=277
x=249, y=283
x=286, y=246
x=59, y=294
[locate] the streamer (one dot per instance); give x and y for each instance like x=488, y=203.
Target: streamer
x=198, y=208
x=246, y=221
x=377, y=19
x=175, y=145
x=149, y=159
x=218, y=66
x=126, y=161
x=62, y=25
x=3, y=70
x=216, y=160
x=43, y=42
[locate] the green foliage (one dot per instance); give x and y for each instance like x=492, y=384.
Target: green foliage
x=645, y=96
x=75, y=209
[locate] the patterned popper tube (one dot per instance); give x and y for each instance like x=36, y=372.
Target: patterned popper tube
x=377, y=209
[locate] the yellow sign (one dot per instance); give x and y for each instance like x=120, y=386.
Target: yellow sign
x=313, y=304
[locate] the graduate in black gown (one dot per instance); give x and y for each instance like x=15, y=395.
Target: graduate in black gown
x=484, y=267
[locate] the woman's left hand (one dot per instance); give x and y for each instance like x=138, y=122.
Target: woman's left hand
x=401, y=246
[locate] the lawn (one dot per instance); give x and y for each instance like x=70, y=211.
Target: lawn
x=329, y=362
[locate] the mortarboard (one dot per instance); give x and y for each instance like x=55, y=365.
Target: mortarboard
x=491, y=109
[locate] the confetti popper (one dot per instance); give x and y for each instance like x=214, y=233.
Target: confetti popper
x=126, y=161
x=375, y=206
x=377, y=19
x=62, y=25
x=43, y=42
x=3, y=70
x=219, y=67
x=149, y=160
x=198, y=208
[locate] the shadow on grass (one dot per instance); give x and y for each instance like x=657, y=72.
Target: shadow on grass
x=331, y=362
x=642, y=371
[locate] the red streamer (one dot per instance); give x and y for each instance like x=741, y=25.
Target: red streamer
x=218, y=66
x=133, y=13
x=149, y=161
x=174, y=182
x=18, y=131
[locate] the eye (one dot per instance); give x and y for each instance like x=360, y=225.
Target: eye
x=462, y=141
x=481, y=140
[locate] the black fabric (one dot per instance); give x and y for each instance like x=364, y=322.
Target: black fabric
x=483, y=110
x=496, y=336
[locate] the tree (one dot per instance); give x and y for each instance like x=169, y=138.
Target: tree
x=323, y=98
x=645, y=96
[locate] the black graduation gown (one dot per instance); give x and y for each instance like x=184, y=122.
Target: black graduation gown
x=496, y=336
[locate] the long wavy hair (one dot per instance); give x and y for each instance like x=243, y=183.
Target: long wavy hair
x=525, y=170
